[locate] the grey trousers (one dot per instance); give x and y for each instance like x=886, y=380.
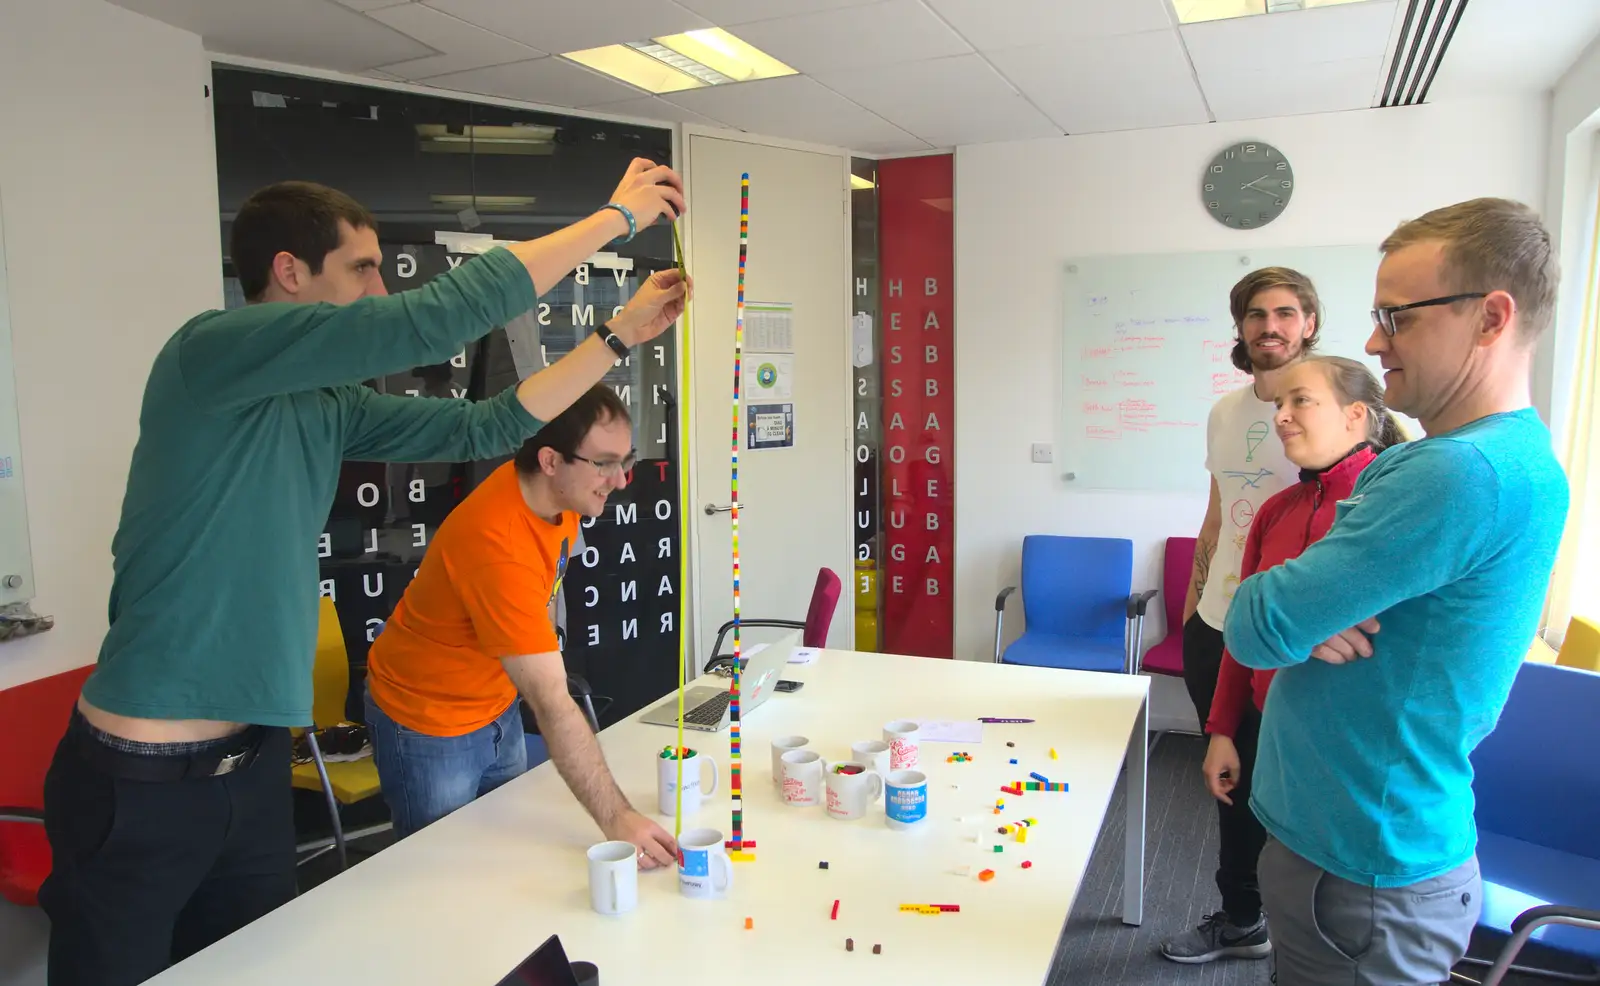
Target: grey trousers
x=1327, y=931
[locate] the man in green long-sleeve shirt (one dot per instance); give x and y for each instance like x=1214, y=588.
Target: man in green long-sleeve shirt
x=168, y=804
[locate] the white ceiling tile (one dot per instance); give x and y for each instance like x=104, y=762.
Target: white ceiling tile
x=1315, y=87
x=801, y=109
x=366, y=5
x=1281, y=43
x=726, y=12
x=945, y=101
x=574, y=26
x=553, y=81
x=1036, y=22
x=463, y=46
x=1127, y=82
x=656, y=108
x=880, y=33
x=303, y=32
x=1498, y=49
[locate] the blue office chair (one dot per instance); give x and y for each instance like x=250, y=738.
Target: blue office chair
x=1079, y=606
x=1537, y=785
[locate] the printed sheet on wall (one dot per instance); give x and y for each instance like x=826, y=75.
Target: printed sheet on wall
x=1146, y=350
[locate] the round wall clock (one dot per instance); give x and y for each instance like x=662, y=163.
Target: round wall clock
x=1247, y=185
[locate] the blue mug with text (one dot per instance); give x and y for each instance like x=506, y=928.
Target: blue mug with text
x=905, y=798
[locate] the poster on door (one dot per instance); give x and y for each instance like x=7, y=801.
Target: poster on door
x=769, y=426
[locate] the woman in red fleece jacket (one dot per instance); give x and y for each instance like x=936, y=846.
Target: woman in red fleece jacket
x=1332, y=422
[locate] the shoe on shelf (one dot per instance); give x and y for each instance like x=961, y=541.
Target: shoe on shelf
x=1219, y=938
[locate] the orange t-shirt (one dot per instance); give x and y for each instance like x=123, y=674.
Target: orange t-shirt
x=482, y=593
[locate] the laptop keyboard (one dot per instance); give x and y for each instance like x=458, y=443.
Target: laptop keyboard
x=709, y=712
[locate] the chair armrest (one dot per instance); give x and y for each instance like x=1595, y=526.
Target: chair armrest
x=1139, y=602
x=1000, y=600
x=718, y=659
x=1558, y=914
x=31, y=815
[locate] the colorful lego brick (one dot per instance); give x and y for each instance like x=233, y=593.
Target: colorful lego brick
x=1039, y=777
x=877, y=949
x=739, y=856
x=835, y=915
x=822, y=865
x=749, y=923
x=1013, y=759
x=849, y=944
x=1053, y=753
x=952, y=908
x=747, y=844
x=1009, y=743
x=1022, y=835
x=1027, y=864
x=986, y=875
x=999, y=848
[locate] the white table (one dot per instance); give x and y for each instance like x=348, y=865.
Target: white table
x=466, y=899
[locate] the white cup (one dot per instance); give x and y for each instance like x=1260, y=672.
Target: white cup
x=613, y=877
x=902, y=736
x=851, y=788
x=695, y=769
x=780, y=746
x=704, y=869
x=873, y=753
x=802, y=779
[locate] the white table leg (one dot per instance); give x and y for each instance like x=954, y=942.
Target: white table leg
x=1136, y=764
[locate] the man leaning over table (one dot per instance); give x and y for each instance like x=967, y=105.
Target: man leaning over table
x=167, y=805
x=1399, y=634
x=476, y=628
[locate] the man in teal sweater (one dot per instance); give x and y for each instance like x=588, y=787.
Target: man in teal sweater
x=1399, y=634
x=168, y=805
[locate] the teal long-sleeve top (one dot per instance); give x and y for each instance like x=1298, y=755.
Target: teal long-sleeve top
x=246, y=418
x=1449, y=542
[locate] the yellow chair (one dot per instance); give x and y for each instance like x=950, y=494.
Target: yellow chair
x=1580, y=648
x=340, y=782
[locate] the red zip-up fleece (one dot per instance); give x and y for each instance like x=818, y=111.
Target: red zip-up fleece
x=1290, y=521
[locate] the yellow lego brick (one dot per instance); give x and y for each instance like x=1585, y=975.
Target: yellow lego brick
x=742, y=857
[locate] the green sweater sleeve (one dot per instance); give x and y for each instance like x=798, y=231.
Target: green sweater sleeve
x=388, y=428
x=232, y=358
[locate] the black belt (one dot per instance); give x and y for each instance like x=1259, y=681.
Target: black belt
x=234, y=753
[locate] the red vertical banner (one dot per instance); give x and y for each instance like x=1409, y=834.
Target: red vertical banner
x=916, y=236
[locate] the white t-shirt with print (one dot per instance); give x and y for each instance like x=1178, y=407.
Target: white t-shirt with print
x=1246, y=458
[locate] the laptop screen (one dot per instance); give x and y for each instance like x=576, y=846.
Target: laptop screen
x=547, y=966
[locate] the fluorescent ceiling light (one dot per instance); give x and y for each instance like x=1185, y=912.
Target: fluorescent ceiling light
x=438, y=138
x=860, y=184
x=484, y=203
x=693, y=60
x=1195, y=11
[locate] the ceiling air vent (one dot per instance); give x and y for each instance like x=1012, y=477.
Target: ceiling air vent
x=1424, y=39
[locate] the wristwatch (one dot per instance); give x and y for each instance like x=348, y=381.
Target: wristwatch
x=613, y=340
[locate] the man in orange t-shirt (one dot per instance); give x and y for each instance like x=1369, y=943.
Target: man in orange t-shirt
x=475, y=628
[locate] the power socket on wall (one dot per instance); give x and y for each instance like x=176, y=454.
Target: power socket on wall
x=1042, y=452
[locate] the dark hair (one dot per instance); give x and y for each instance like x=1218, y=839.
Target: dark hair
x=1491, y=245
x=1266, y=279
x=1351, y=382
x=569, y=428
x=296, y=217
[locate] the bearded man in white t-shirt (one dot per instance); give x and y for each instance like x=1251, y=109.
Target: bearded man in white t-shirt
x=1276, y=317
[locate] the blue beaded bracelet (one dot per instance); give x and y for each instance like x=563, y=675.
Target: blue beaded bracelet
x=633, y=227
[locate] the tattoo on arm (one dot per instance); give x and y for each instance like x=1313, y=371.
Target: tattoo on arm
x=1204, y=549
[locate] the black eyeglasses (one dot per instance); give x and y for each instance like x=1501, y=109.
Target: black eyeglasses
x=610, y=469
x=1383, y=318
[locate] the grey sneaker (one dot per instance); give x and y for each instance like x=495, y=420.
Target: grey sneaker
x=1218, y=938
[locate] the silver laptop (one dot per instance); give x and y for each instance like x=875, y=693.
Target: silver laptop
x=705, y=707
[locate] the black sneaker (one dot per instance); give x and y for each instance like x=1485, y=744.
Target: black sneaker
x=1219, y=938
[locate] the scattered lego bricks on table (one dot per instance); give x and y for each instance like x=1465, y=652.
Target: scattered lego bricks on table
x=835, y=915
x=749, y=923
x=1009, y=743
x=822, y=865
x=999, y=848
x=849, y=944
x=1036, y=786
x=1014, y=789
x=877, y=949
x=1013, y=759
x=986, y=875
x=1053, y=753
x=1039, y=777
x=930, y=908
x=1027, y=864
x=958, y=758
x=742, y=857
x=1022, y=834
x=748, y=844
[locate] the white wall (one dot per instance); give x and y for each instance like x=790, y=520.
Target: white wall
x=1574, y=124
x=109, y=188
x=1023, y=207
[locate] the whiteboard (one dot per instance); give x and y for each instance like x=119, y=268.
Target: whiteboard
x=1146, y=351
x=16, y=555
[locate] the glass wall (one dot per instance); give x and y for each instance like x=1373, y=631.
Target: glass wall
x=437, y=173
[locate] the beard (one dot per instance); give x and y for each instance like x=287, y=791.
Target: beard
x=1248, y=359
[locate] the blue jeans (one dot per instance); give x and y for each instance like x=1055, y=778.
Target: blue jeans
x=427, y=777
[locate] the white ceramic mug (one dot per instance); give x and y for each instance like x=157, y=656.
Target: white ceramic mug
x=780, y=746
x=873, y=753
x=704, y=869
x=695, y=769
x=802, y=779
x=613, y=877
x=902, y=736
x=851, y=788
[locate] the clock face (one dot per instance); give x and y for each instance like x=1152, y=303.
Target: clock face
x=1247, y=185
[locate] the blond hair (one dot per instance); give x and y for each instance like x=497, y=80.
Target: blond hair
x=1491, y=245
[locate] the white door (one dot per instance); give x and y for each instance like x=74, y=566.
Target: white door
x=795, y=506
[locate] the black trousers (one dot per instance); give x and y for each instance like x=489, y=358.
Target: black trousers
x=1240, y=834
x=147, y=872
